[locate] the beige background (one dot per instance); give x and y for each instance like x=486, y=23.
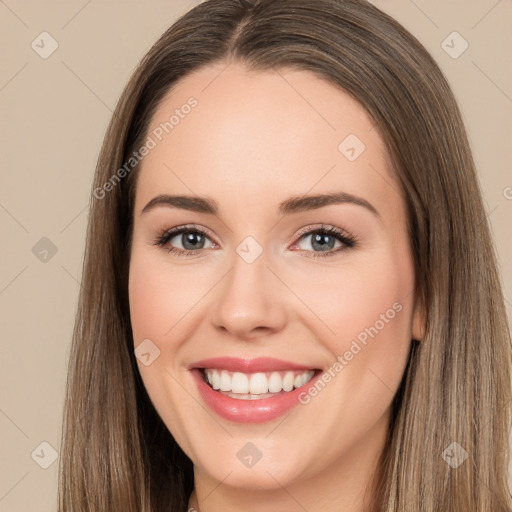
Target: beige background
x=54, y=113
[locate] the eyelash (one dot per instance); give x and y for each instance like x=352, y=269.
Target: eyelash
x=349, y=240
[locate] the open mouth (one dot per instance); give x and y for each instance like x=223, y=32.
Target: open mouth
x=255, y=386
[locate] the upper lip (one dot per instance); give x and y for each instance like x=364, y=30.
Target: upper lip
x=259, y=364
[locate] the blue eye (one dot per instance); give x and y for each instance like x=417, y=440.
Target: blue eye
x=190, y=240
x=323, y=241
x=194, y=238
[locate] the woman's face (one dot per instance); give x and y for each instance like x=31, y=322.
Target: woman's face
x=244, y=151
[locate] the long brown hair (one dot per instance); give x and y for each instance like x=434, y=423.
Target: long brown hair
x=117, y=454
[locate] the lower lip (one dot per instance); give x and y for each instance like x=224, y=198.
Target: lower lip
x=249, y=411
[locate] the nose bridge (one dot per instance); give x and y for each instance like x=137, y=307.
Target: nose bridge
x=245, y=302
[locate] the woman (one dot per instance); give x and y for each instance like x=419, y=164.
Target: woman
x=290, y=295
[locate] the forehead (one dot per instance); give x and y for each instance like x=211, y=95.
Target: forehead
x=274, y=133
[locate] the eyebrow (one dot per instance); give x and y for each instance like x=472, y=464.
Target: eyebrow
x=290, y=206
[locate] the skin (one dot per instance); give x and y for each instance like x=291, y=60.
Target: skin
x=253, y=140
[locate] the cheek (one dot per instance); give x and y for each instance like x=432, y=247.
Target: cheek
x=148, y=302
x=160, y=296
x=367, y=307
x=375, y=330
x=372, y=303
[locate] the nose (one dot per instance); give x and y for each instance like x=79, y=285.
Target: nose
x=247, y=303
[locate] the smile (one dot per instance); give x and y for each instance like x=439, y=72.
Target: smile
x=255, y=386
x=251, y=390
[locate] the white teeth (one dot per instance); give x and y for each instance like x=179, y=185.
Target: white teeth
x=258, y=384
x=215, y=381
x=275, y=383
x=239, y=383
x=249, y=385
x=288, y=381
x=225, y=381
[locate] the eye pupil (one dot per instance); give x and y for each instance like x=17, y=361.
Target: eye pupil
x=322, y=241
x=191, y=239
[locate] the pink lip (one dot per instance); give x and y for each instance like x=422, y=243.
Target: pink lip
x=260, y=364
x=249, y=411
